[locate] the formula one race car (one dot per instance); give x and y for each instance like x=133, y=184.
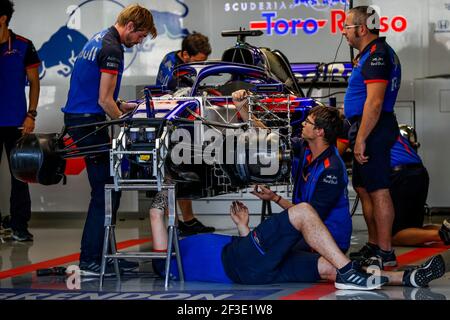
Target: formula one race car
x=193, y=134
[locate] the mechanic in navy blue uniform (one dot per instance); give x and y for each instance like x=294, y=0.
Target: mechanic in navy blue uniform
x=369, y=106
x=319, y=175
x=19, y=63
x=409, y=188
x=194, y=48
x=322, y=183
x=94, y=89
x=264, y=255
x=318, y=172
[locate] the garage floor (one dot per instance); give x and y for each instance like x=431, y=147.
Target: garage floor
x=57, y=239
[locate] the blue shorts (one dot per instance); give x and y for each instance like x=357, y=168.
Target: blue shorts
x=375, y=174
x=265, y=255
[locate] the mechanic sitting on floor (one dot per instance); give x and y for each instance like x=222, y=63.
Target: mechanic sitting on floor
x=319, y=174
x=409, y=190
x=264, y=255
x=194, y=48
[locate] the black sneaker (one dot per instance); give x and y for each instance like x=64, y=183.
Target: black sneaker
x=92, y=269
x=192, y=227
x=381, y=259
x=444, y=232
x=124, y=265
x=367, y=251
x=432, y=269
x=355, y=279
x=22, y=235
x=374, y=262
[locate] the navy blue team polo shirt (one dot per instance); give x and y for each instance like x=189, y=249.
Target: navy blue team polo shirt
x=103, y=53
x=403, y=153
x=168, y=64
x=376, y=63
x=322, y=183
x=16, y=56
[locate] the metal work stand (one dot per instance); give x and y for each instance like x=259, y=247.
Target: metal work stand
x=109, y=244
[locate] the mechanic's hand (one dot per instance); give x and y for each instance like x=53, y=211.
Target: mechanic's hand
x=264, y=193
x=359, y=150
x=241, y=103
x=28, y=125
x=239, y=213
x=239, y=96
x=127, y=106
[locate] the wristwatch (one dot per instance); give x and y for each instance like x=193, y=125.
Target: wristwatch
x=32, y=113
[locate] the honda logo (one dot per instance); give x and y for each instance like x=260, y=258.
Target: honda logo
x=443, y=24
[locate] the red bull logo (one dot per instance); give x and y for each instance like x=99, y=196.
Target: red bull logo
x=61, y=50
x=310, y=26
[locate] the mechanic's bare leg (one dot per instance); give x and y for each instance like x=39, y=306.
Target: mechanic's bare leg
x=186, y=209
x=416, y=236
x=159, y=231
x=431, y=227
x=383, y=212
x=367, y=207
x=326, y=270
x=305, y=219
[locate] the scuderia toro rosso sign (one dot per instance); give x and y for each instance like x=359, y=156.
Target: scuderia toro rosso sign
x=272, y=24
